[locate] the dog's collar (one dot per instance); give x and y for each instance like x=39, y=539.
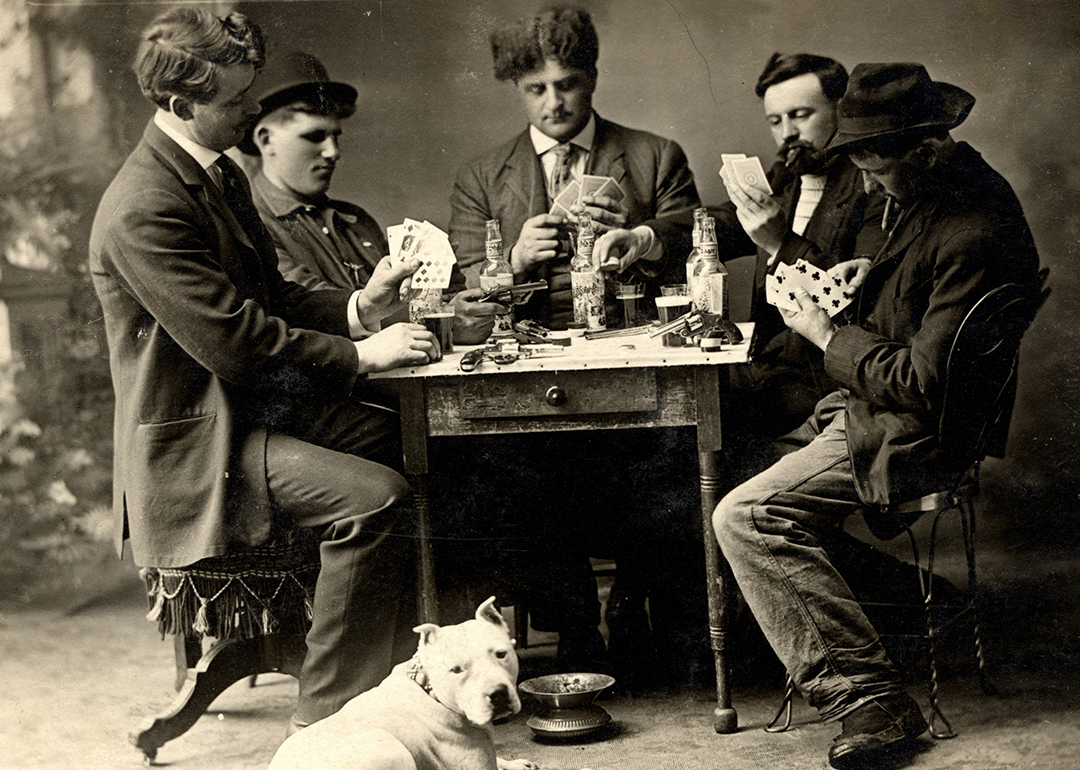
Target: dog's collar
x=415, y=671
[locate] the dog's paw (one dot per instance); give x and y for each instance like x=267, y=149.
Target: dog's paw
x=517, y=764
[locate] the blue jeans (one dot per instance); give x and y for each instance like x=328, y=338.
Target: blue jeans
x=770, y=530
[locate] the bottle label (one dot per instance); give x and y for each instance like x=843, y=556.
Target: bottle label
x=500, y=279
x=709, y=293
x=587, y=288
x=493, y=249
x=504, y=322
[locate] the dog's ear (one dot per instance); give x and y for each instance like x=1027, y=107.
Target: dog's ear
x=427, y=632
x=487, y=611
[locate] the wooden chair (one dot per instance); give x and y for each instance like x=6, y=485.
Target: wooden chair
x=253, y=610
x=981, y=375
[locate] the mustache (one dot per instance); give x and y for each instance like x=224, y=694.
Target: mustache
x=792, y=149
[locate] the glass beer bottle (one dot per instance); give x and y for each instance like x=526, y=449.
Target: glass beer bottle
x=709, y=285
x=586, y=282
x=699, y=219
x=496, y=271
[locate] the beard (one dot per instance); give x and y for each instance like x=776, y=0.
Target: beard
x=801, y=158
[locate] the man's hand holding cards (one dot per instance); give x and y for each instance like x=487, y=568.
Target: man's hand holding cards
x=741, y=172
x=569, y=200
x=830, y=291
x=424, y=241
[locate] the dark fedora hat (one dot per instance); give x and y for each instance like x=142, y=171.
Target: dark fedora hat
x=890, y=99
x=290, y=76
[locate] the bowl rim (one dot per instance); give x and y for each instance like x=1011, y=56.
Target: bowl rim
x=603, y=681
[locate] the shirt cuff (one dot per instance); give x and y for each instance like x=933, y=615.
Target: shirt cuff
x=357, y=330
x=654, y=251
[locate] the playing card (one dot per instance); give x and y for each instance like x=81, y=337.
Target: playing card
x=751, y=174
x=569, y=196
x=429, y=244
x=601, y=185
x=829, y=293
x=776, y=293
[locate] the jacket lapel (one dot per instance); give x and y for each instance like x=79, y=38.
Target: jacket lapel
x=524, y=178
x=243, y=261
x=196, y=179
x=607, y=157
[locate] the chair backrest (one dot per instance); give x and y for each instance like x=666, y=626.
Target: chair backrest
x=981, y=374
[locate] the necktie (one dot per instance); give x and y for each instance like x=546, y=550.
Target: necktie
x=561, y=174
x=236, y=195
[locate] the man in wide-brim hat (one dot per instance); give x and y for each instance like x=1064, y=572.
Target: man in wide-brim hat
x=955, y=231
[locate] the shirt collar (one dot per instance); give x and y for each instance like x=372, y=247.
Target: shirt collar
x=282, y=203
x=204, y=156
x=584, y=138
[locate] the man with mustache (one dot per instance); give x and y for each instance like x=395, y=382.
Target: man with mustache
x=551, y=61
x=550, y=58
x=816, y=213
x=321, y=242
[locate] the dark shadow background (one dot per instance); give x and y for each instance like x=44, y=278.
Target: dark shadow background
x=686, y=69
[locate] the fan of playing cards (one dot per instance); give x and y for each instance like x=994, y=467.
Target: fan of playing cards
x=589, y=185
x=747, y=171
x=429, y=244
x=830, y=293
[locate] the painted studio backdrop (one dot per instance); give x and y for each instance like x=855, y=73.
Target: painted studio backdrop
x=680, y=68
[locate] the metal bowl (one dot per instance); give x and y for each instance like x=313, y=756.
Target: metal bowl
x=566, y=691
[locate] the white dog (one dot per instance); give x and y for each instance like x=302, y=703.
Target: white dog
x=433, y=711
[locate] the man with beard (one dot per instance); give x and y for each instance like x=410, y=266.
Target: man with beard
x=882, y=437
x=817, y=213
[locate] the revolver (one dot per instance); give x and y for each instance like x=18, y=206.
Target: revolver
x=710, y=327
x=505, y=351
x=512, y=294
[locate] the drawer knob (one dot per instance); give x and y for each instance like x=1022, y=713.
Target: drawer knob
x=555, y=396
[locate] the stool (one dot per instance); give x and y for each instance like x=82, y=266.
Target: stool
x=256, y=606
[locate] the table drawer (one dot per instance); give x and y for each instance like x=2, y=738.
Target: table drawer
x=580, y=392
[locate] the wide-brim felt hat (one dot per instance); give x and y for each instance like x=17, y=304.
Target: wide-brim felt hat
x=889, y=99
x=290, y=76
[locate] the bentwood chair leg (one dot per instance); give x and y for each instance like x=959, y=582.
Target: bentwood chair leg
x=784, y=711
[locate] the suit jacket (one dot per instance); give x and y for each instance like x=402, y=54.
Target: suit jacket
x=205, y=340
x=508, y=184
x=834, y=234
x=964, y=236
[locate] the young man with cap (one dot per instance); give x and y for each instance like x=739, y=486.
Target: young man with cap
x=238, y=393
x=321, y=242
x=955, y=231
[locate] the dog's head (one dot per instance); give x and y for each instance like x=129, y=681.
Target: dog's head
x=472, y=667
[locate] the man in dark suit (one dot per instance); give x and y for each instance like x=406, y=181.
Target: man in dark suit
x=959, y=232
x=239, y=394
x=551, y=60
x=816, y=213
x=644, y=238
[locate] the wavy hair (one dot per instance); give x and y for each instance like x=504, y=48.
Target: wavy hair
x=563, y=33
x=184, y=49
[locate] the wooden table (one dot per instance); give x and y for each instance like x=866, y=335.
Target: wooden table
x=619, y=382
